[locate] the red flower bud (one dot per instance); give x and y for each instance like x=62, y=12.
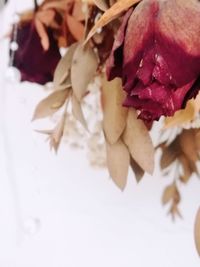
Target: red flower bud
x=35, y=64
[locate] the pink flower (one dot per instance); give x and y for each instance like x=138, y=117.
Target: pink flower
x=156, y=52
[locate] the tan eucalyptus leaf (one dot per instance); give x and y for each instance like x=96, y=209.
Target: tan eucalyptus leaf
x=101, y=4
x=197, y=231
x=110, y=14
x=114, y=114
x=118, y=160
x=63, y=68
x=84, y=65
x=169, y=154
x=138, y=171
x=49, y=105
x=138, y=140
x=168, y=193
x=77, y=112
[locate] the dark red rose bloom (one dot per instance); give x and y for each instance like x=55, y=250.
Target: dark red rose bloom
x=156, y=52
x=35, y=64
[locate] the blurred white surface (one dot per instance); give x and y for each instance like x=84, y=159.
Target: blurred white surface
x=57, y=211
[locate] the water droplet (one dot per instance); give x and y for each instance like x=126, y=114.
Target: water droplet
x=14, y=46
x=13, y=74
x=31, y=226
x=16, y=18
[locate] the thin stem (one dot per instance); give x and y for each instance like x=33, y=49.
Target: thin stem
x=35, y=5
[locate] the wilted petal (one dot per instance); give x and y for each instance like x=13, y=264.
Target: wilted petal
x=178, y=39
x=115, y=61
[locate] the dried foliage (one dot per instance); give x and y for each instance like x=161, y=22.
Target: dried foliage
x=86, y=30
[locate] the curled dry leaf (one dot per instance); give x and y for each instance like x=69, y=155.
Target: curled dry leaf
x=138, y=140
x=114, y=114
x=49, y=105
x=138, y=171
x=77, y=111
x=101, y=4
x=118, y=160
x=111, y=14
x=84, y=65
x=197, y=231
x=63, y=68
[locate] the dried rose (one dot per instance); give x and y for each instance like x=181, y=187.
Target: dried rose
x=35, y=64
x=157, y=54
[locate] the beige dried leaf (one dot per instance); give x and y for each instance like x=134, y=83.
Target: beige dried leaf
x=187, y=172
x=197, y=231
x=181, y=116
x=188, y=145
x=114, y=114
x=168, y=193
x=77, y=111
x=55, y=135
x=101, y=4
x=49, y=105
x=138, y=140
x=118, y=160
x=63, y=68
x=111, y=14
x=138, y=171
x=84, y=65
x=169, y=154
x=197, y=139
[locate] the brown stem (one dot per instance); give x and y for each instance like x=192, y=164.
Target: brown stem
x=35, y=5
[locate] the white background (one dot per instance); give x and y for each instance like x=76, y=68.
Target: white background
x=57, y=211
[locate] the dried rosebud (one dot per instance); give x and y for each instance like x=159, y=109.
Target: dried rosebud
x=35, y=64
x=157, y=54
